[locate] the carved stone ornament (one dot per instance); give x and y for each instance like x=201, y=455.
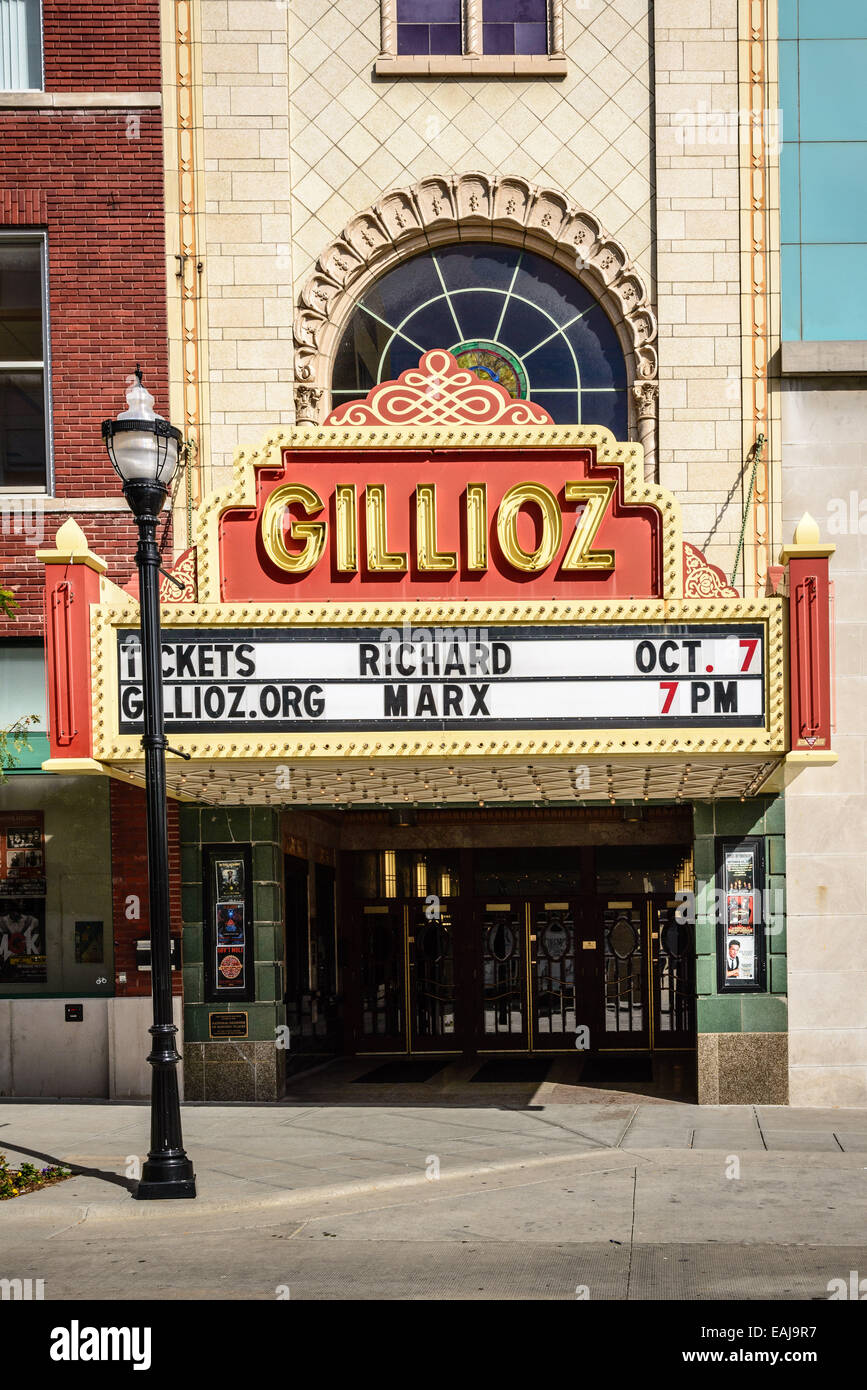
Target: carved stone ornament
x=307, y=400
x=451, y=207
x=701, y=579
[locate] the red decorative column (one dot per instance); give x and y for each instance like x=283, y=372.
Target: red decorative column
x=809, y=638
x=73, y=577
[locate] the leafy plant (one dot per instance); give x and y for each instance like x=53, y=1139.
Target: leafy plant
x=13, y=742
x=15, y=1182
x=13, y=739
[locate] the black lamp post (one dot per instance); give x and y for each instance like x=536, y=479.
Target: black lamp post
x=144, y=451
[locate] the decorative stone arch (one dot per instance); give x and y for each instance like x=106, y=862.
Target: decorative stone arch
x=478, y=207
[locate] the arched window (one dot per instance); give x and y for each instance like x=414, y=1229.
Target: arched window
x=504, y=312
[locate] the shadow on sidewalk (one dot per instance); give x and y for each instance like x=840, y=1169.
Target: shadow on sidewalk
x=115, y=1179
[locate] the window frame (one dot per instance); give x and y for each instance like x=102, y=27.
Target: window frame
x=13, y=91
x=473, y=61
x=9, y=236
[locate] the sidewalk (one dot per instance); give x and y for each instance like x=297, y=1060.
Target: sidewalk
x=622, y=1197
x=285, y=1157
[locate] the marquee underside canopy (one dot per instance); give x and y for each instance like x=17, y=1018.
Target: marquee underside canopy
x=428, y=782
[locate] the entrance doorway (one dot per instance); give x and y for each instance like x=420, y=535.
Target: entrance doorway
x=444, y=965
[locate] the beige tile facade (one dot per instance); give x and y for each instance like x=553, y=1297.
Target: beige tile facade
x=824, y=462
x=289, y=135
x=296, y=136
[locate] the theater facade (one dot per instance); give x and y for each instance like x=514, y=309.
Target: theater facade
x=474, y=754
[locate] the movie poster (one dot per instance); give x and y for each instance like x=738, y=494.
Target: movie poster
x=230, y=925
x=89, y=946
x=740, y=916
x=22, y=854
x=22, y=941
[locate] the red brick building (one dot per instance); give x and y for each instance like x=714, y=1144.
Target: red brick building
x=82, y=299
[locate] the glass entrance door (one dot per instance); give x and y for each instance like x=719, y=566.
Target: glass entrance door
x=673, y=945
x=434, y=1007
x=625, y=960
x=558, y=983
x=382, y=974
x=502, y=931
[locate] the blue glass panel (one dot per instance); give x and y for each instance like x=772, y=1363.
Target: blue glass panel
x=828, y=314
x=409, y=284
x=530, y=322
x=413, y=39
x=787, y=25
x=832, y=90
x=479, y=312
x=606, y=408
x=399, y=358
x=834, y=192
x=842, y=19
x=790, y=196
x=524, y=327
x=433, y=326
x=531, y=38
x=514, y=10
x=789, y=89
x=445, y=38
x=428, y=11
x=477, y=263
x=552, y=288
x=790, y=272
x=562, y=406
x=597, y=349
x=498, y=38
x=552, y=365
x=357, y=358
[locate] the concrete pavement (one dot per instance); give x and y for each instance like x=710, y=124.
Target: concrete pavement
x=621, y=1196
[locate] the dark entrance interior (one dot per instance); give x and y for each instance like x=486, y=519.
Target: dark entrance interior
x=421, y=942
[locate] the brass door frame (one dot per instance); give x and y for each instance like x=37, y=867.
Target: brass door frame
x=642, y=902
x=409, y=986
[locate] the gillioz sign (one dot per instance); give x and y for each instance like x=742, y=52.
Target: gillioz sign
x=440, y=573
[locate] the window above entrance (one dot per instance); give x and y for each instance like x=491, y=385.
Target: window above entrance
x=509, y=315
x=471, y=38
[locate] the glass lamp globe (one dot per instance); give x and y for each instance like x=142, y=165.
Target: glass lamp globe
x=142, y=446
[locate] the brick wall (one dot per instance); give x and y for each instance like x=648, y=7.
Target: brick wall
x=99, y=47
x=99, y=177
x=129, y=876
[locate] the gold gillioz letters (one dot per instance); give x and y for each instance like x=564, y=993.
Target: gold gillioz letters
x=580, y=555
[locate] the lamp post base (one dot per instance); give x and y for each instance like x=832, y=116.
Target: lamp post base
x=163, y=1180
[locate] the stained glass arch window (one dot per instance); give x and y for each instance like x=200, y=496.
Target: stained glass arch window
x=509, y=314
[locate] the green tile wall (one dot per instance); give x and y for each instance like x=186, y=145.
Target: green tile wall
x=740, y=1013
x=259, y=827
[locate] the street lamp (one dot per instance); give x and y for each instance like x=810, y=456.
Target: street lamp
x=144, y=449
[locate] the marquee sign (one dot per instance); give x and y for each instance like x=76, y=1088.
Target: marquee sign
x=498, y=678
x=440, y=572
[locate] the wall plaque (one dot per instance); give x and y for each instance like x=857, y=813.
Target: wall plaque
x=232, y=1025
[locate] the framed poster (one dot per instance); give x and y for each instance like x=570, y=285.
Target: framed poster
x=228, y=926
x=741, y=944
x=22, y=942
x=89, y=945
x=22, y=855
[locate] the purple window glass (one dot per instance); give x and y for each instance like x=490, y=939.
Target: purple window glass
x=498, y=38
x=428, y=26
x=428, y=11
x=515, y=26
x=531, y=38
x=413, y=38
x=515, y=11
x=445, y=38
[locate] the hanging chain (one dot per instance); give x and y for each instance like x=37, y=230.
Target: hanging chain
x=757, y=457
